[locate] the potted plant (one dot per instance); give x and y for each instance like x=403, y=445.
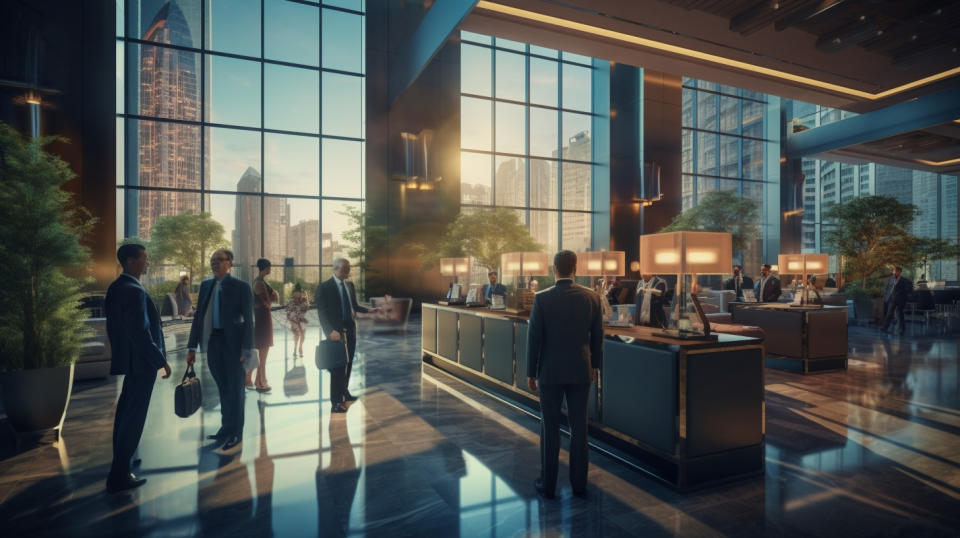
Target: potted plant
x=41, y=323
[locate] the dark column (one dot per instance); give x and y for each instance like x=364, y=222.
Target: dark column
x=626, y=158
x=662, y=144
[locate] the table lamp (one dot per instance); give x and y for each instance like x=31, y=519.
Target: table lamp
x=522, y=265
x=454, y=267
x=803, y=264
x=685, y=254
x=601, y=263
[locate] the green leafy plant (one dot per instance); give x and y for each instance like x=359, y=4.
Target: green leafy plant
x=186, y=240
x=41, y=323
x=160, y=289
x=485, y=235
x=929, y=250
x=721, y=211
x=365, y=242
x=872, y=233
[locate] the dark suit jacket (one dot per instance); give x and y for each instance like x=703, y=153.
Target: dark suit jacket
x=236, y=314
x=498, y=289
x=897, y=290
x=329, y=306
x=565, y=338
x=771, y=291
x=133, y=327
x=731, y=285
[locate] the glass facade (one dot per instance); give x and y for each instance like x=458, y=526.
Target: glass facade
x=526, y=118
x=252, y=112
x=730, y=141
x=828, y=183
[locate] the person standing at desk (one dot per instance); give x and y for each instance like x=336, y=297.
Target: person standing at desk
x=739, y=282
x=768, y=287
x=564, y=350
x=650, y=300
x=493, y=288
x=895, y=298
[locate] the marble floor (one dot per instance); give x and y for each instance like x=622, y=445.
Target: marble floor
x=867, y=452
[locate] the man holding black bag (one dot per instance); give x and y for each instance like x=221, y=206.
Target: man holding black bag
x=137, y=352
x=337, y=307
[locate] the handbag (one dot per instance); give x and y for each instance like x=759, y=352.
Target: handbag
x=330, y=354
x=187, y=397
x=295, y=380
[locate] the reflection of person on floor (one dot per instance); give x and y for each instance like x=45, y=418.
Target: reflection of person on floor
x=263, y=469
x=224, y=504
x=337, y=484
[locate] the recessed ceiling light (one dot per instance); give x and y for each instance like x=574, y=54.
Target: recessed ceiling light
x=863, y=17
x=913, y=37
x=837, y=41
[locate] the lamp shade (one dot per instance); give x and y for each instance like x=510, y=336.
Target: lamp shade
x=601, y=263
x=524, y=263
x=454, y=266
x=686, y=252
x=798, y=264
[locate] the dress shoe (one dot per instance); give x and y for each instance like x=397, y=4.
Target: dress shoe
x=542, y=490
x=128, y=482
x=339, y=408
x=350, y=397
x=233, y=445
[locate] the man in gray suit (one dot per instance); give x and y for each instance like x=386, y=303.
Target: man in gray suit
x=564, y=349
x=223, y=327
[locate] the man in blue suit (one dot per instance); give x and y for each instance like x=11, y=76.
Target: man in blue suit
x=137, y=352
x=223, y=327
x=564, y=350
x=493, y=288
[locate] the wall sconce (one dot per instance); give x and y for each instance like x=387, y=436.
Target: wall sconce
x=416, y=152
x=685, y=254
x=647, y=190
x=803, y=264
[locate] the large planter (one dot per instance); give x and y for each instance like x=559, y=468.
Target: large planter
x=36, y=400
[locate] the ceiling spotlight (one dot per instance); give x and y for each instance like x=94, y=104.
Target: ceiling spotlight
x=954, y=49
x=879, y=32
x=863, y=17
x=937, y=12
x=776, y=5
x=837, y=41
x=913, y=37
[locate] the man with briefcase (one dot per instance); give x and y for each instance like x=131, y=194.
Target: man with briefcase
x=136, y=351
x=337, y=307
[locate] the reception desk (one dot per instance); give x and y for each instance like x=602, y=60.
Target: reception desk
x=800, y=339
x=690, y=413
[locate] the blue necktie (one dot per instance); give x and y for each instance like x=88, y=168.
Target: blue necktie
x=345, y=301
x=216, y=304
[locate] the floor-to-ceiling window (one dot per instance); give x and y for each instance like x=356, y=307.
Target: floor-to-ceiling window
x=728, y=138
x=526, y=116
x=828, y=183
x=250, y=111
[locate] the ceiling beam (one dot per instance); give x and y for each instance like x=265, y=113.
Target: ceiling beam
x=436, y=26
x=933, y=109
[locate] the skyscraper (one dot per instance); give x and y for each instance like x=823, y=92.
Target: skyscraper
x=246, y=230
x=169, y=153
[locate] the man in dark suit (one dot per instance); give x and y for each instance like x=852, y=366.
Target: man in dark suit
x=564, y=350
x=739, y=282
x=137, y=352
x=895, y=298
x=223, y=327
x=768, y=287
x=493, y=288
x=337, y=307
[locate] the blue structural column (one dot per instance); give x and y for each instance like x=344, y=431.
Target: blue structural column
x=437, y=25
x=925, y=111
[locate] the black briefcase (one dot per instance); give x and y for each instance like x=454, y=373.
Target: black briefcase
x=331, y=354
x=187, y=397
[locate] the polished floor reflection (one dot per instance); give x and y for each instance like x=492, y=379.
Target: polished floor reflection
x=871, y=451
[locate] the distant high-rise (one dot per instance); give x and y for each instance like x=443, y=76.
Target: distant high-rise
x=246, y=230
x=169, y=153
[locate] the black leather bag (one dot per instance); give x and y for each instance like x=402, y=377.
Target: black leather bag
x=187, y=397
x=295, y=380
x=331, y=354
